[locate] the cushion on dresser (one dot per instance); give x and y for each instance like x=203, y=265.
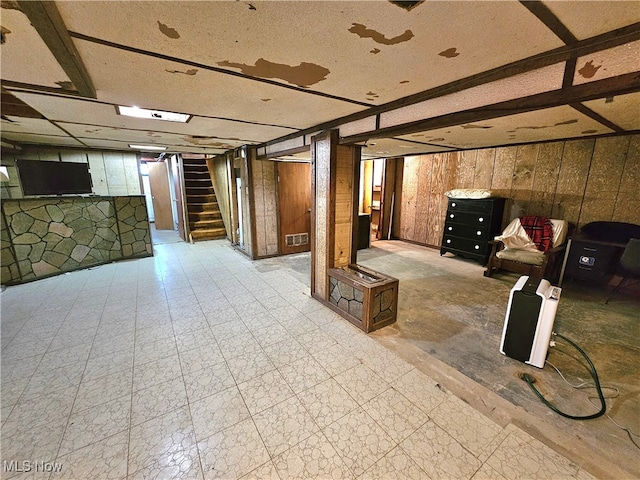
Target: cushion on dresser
x=473, y=193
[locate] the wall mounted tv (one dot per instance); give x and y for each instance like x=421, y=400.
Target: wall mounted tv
x=39, y=177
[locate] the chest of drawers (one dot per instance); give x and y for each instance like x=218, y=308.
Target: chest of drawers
x=470, y=225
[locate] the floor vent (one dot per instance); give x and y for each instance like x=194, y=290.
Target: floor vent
x=297, y=239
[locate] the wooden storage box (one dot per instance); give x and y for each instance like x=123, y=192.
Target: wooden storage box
x=366, y=298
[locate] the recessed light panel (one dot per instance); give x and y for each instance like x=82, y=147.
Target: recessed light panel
x=149, y=147
x=153, y=114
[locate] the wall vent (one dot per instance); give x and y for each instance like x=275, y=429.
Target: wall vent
x=296, y=239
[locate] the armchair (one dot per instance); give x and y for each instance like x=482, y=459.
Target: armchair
x=531, y=246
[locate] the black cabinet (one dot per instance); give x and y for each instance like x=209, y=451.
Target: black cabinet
x=470, y=225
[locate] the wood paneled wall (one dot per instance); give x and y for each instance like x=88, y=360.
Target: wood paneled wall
x=580, y=181
x=265, y=202
x=219, y=170
x=112, y=173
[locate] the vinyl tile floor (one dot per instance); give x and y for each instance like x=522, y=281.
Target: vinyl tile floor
x=198, y=363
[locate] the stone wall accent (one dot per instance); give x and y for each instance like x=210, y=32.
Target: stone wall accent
x=49, y=236
x=384, y=306
x=347, y=297
x=133, y=224
x=9, y=265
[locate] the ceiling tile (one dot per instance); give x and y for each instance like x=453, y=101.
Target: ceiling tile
x=587, y=19
x=622, y=110
x=25, y=56
x=549, y=124
x=608, y=63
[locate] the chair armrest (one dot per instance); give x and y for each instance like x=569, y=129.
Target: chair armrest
x=496, y=245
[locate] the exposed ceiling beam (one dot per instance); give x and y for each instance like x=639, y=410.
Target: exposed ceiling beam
x=623, y=84
x=567, y=54
x=552, y=22
x=46, y=19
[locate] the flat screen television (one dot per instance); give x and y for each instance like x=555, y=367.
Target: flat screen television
x=39, y=177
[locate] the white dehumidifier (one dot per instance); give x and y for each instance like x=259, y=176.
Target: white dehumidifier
x=528, y=323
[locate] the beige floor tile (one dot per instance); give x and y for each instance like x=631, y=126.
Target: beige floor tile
x=264, y=391
x=233, y=452
x=327, y=402
x=359, y=440
x=361, y=383
x=157, y=400
x=303, y=373
x=313, y=458
x=395, y=465
x=395, y=414
x=438, y=453
x=284, y=425
x=219, y=411
x=103, y=460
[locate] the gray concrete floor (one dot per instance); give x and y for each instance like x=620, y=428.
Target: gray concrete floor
x=450, y=321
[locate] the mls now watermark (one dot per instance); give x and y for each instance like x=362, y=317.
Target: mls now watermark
x=29, y=466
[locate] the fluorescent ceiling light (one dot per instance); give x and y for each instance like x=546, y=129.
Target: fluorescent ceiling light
x=153, y=114
x=148, y=147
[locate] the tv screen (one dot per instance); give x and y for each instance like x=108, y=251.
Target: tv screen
x=40, y=177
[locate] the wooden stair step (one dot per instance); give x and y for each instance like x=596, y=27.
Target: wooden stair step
x=208, y=234
x=206, y=224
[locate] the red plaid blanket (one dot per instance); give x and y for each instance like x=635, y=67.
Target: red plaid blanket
x=539, y=230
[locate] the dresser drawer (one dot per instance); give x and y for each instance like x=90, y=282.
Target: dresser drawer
x=478, y=247
x=467, y=218
x=472, y=206
x=467, y=231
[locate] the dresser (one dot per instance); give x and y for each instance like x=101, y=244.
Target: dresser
x=469, y=226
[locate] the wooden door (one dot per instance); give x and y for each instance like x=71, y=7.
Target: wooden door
x=294, y=203
x=161, y=195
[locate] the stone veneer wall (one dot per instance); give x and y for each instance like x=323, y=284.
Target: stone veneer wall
x=48, y=236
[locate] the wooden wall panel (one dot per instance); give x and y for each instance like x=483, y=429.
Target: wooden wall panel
x=465, y=171
x=321, y=248
x=265, y=207
x=218, y=171
x=627, y=205
x=577, y=180
x=523, y=172
x=439, y=181
x=572, y=179
x=545, y=179
x=396, y=221
x=344, y=205
x=411, y=173
x=423, y=198
x=604, y=178
x=485, y=160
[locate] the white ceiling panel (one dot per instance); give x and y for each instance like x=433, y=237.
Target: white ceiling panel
x=549, y=124
x=123, y=78
x=118, y=145
x=608, y=63
x=522, y=85
x=25, y=56
x=355, y=49
x=623, y=110
x=590, y=18
x=30, y=125
x=28, y=138
x=387, y=147
x=95, y=114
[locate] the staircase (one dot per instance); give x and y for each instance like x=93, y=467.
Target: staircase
x=205, y=220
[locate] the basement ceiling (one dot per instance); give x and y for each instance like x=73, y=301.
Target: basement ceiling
x=399, y=78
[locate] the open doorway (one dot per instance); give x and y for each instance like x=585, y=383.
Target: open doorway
x=371, y=201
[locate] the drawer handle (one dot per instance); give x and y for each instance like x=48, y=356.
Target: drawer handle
x=590, y=249
x=452, y=216
x=477, y=247
x=481, y=219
